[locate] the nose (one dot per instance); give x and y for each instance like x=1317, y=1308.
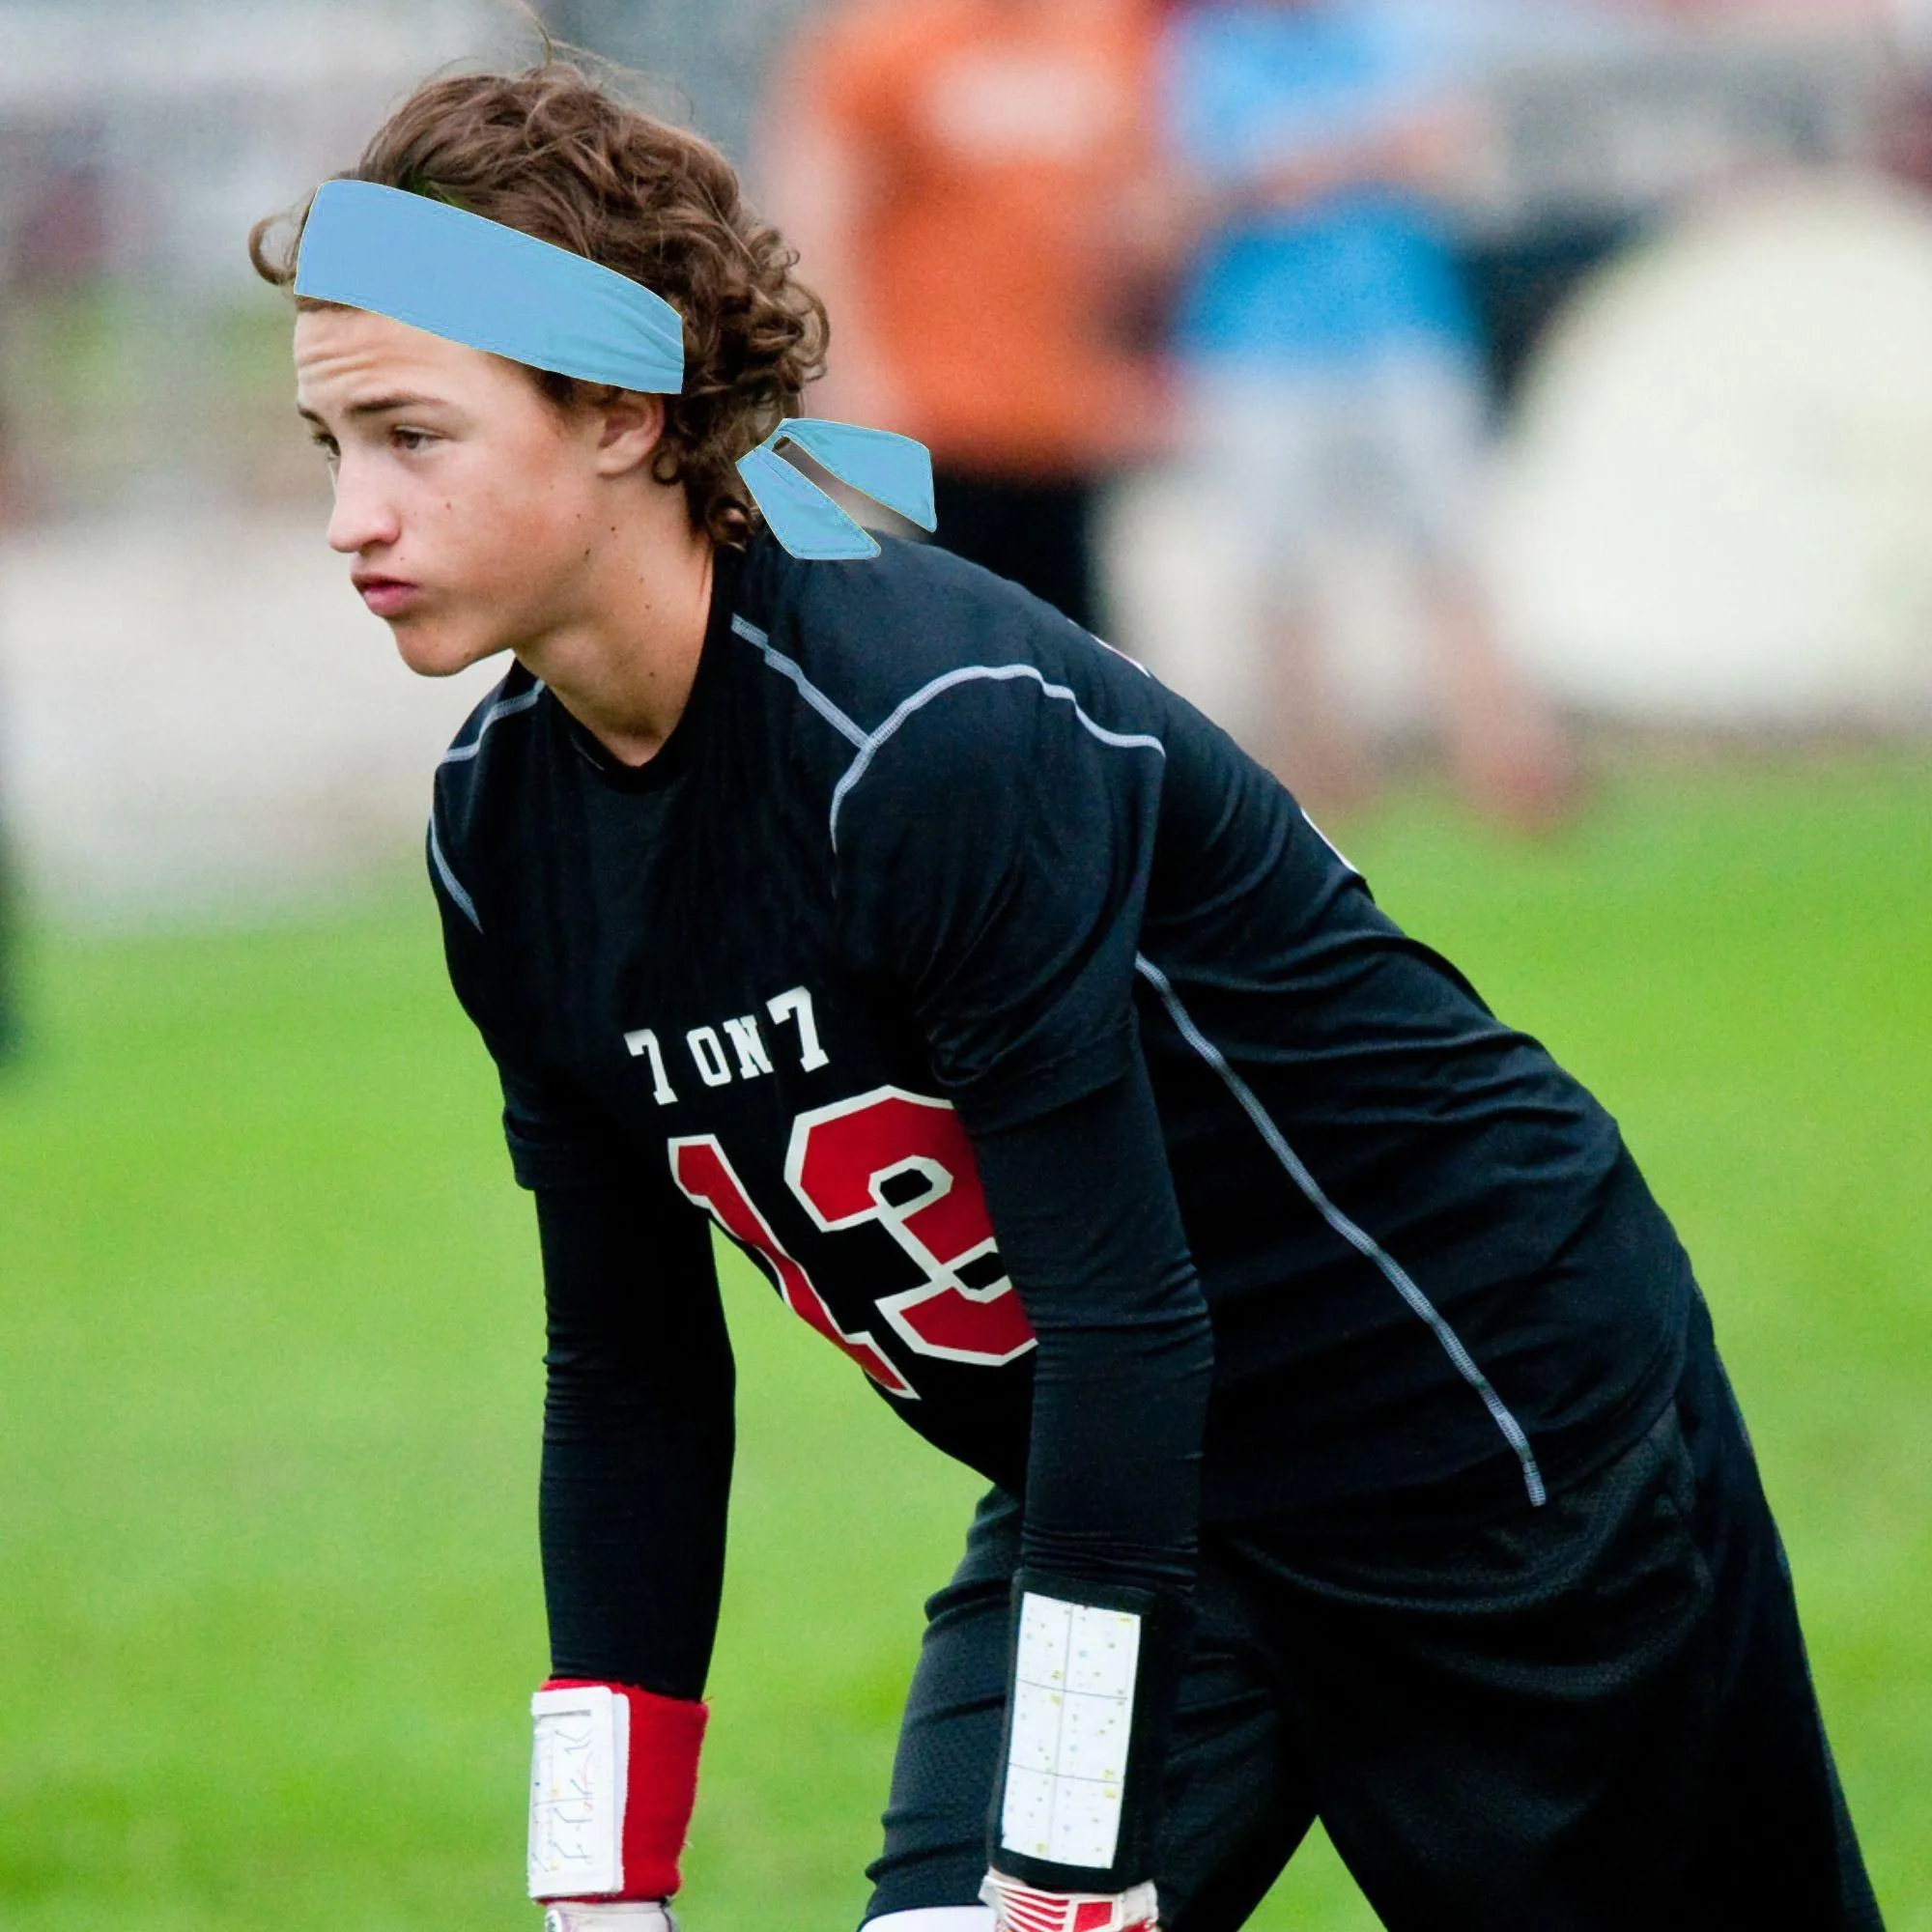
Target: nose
x=363, y=517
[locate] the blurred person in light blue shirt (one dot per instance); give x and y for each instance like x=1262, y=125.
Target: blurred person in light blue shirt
x=1328, y=101
x=1331, y=372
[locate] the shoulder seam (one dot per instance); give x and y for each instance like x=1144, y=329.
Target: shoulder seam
x=789, y=668
x=508, y=708
x=869, y=743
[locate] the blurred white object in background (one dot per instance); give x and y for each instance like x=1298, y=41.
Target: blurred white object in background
x=200, y=714
x=1716, y=507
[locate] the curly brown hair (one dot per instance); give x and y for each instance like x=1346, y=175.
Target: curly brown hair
x=552, y=153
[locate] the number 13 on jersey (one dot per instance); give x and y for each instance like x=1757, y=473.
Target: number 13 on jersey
x=903, y=1160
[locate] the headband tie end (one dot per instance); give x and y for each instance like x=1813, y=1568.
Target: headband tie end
x=891, y=469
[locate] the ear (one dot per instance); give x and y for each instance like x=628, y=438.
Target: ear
x=629, y=428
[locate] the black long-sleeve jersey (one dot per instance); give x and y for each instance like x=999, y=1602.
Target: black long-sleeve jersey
x=1052, y=1066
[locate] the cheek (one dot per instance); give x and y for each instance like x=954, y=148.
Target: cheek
x=523, y=532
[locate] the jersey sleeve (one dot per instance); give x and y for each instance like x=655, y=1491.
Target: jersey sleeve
x=993, y=856
x=994, y=865
x=637, y=1442
x=1084, y=1209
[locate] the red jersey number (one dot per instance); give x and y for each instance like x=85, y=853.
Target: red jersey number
x=904, y=1161
x=700, y=1168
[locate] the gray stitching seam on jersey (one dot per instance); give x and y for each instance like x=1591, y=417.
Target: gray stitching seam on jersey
x=1356, y=1237
x=968, y=674
x=807, y=690
x=509, y=708
x=450, y=883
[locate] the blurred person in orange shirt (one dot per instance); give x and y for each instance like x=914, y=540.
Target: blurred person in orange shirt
x=960, y=178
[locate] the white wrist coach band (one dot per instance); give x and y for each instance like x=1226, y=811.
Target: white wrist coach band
x=1072, y=1721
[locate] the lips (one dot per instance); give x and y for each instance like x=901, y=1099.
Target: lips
x=384, y=595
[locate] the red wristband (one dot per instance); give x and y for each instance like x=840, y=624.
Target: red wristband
x=659, y=1776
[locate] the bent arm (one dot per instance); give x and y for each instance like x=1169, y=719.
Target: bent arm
x=636, y=1467
x=994, y=866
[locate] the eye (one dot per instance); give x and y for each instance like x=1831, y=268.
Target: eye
x=413, y=440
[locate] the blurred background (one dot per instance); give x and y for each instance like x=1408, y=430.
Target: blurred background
x=1512, y=419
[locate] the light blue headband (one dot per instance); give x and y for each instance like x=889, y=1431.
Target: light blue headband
x=477, y=281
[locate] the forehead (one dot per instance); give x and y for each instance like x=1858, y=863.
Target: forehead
x=340, y=353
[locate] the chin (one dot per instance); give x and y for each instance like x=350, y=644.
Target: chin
x=433, y=653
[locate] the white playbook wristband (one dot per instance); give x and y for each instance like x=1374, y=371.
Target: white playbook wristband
x=579, y=1762
x=628, y=1916
x=1072, y=1719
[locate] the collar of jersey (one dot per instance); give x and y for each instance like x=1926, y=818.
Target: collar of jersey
x=674, y=754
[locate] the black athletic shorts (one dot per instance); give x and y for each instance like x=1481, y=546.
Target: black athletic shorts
x=1597, y=1715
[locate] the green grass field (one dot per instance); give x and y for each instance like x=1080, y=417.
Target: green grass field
x=270, y=1327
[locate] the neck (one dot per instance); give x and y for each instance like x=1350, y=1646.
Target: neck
x=624, y=669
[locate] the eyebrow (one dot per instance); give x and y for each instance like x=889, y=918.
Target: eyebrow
x=375, y=406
